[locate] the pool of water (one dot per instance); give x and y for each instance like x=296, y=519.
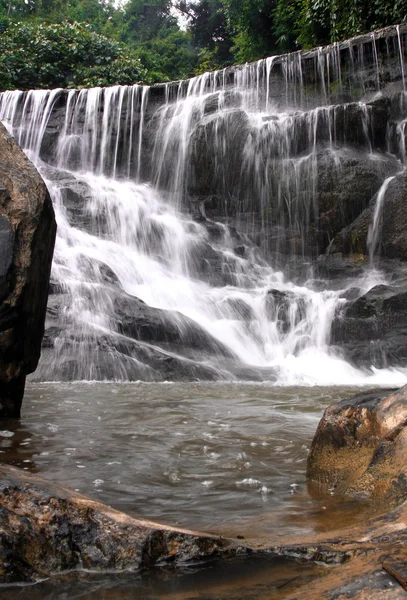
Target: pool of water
x=226, y=458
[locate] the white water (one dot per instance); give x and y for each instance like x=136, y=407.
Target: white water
x=136, y=228
x=374, y=231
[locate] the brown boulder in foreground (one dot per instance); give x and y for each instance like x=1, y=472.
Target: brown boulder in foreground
x=46, y=528
x=360, y=447
x=27, y=236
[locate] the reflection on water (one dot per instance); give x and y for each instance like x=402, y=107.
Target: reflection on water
x=240, y=579
x=228, y=458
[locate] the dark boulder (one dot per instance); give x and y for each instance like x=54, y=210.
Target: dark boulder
x=137, y=320
x=392, y=223
x=372, y=330
x=27, y=235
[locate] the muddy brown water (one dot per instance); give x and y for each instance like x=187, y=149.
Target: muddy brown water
x=224, y=458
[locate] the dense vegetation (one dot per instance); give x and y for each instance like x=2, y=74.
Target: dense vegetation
x=74, y=43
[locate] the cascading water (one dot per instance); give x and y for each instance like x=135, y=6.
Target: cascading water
x=189, y=218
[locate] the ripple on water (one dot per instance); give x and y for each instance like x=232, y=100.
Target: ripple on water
x=239, y=462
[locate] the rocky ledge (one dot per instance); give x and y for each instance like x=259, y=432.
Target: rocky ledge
x=47, y=530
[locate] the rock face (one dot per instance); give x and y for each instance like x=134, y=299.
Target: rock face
x=360, y=446
x=372, y=329
x=27, y=235
x=391, y=241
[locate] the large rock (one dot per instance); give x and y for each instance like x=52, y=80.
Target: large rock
x=391, y=235
x=346, y=183
x=144, y=343
x=46, y=528
x=48, y=531
x=372, y=329
x=27, y=235
x=360, y=446
x=138, y=320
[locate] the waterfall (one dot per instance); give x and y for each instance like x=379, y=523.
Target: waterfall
x=190, y=218
x=374, y=230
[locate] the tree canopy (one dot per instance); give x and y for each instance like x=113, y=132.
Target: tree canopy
x=40, y=55
x=76, y=43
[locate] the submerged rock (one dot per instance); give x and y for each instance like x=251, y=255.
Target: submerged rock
x=360, y=446
x=27, y=235
x=46, y=528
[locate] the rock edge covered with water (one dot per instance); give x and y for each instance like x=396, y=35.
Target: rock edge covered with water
x=46, y=530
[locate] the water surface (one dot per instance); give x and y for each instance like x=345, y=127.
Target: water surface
x=228, y=458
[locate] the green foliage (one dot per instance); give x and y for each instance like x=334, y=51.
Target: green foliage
x=251, y=25
x=325, y=21
x=63, y=55
x=264, y=27
x=169, y=56
x=67, y=43
x=209, y=30
x=142, y=20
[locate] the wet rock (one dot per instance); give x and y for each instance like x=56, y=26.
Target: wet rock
x=6, y=252
x=392, y=226
x=372, y=329
x=210, y=172
x=221, y=100
x=285, y=308
x=353, y=238
x=339, y=266
x=108, y=358
x=345, y=189
x=237, y=308
x=360, y=445
x=27, y=235
x=394, y=220
x=76, y=196
x=46, y=529
x=145, y=343
x=139, y=321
